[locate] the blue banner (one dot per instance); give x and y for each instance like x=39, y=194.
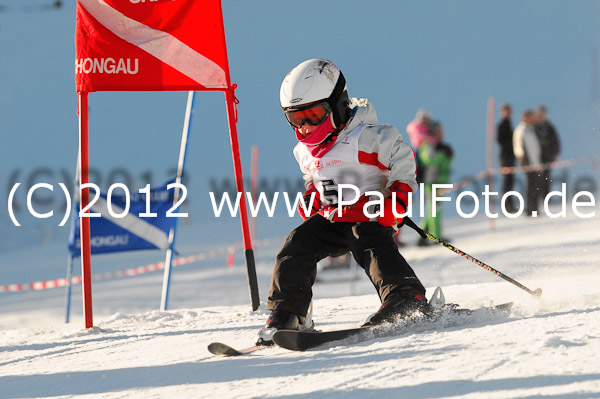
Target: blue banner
x=126, y=231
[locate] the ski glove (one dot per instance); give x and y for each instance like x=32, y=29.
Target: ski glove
x=305, y=208
x=396, y=201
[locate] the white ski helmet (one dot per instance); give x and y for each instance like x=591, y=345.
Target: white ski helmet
x=313, y=83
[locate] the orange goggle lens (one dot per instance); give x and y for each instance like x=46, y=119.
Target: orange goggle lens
x=314, y=115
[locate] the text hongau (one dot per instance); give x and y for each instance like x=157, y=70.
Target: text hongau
x=126, y=66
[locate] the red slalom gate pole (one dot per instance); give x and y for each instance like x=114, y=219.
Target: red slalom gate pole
x=239, y=182
x=86, y=268
x=231, y=101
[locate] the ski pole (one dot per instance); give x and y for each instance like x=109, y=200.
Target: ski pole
x=425, y=234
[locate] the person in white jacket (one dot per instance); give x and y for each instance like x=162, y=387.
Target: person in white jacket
x=527, y=150
x=344, y=153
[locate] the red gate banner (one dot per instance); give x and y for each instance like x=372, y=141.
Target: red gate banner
x=150, y=45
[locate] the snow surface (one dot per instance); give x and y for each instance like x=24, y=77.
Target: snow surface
x=545, y=348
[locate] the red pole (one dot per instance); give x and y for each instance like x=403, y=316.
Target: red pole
x=239, y=182
x=84, y=163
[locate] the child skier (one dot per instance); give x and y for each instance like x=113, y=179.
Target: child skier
x=341, y=142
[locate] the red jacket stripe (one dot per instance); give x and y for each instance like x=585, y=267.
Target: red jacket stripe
x=370, y=158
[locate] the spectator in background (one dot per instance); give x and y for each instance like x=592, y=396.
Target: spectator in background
x=549, y=144
x=504, y=136
x=419, y=129
x=436, y=157
x=526, y=147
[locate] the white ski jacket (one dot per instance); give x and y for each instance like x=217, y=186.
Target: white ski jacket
x=526, y=145
x=364, y=154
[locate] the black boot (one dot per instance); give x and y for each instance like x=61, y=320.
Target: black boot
x=400, y=305
x=283, y=320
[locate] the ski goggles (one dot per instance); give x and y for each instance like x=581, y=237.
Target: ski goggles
x=313, y=114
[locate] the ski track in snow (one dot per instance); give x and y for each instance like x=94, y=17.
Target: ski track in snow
x=546, y=347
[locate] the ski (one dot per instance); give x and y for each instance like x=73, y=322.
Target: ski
x=220, y=349
x=304, y=340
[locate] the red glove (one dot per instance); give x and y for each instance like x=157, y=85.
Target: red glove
x=316, y=203
x=399, y=193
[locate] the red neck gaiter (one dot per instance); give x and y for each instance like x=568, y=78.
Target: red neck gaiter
x=316, y=142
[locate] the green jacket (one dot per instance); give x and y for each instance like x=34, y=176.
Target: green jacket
x=436, y=159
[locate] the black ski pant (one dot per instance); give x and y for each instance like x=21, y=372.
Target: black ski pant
x=371, y=244
x=534, y=192
x=508, y=181
x=545, y=183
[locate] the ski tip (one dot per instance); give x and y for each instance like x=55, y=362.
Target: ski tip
x=219, y=349
x=537, y=293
